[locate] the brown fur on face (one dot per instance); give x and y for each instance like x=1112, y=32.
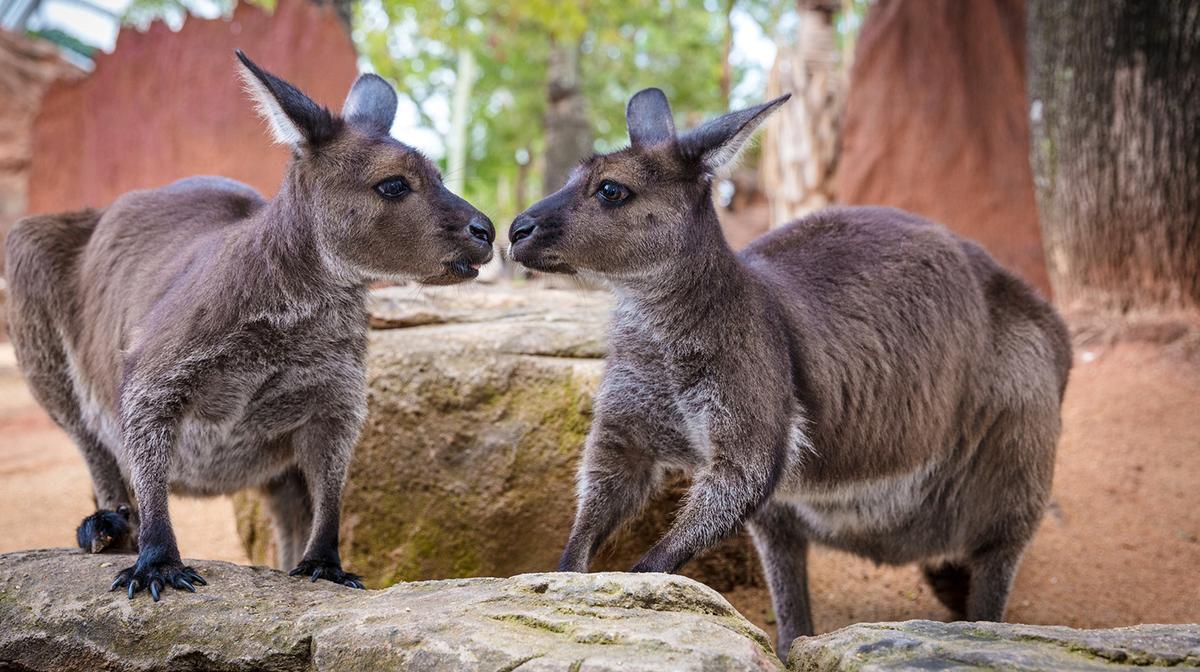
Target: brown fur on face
x=578, y=231
x=421, y=236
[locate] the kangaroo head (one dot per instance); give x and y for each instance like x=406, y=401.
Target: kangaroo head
x=377, y=206
x=622, y=215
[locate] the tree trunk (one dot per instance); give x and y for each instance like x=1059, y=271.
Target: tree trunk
x=568, y=133
x=1115, y=105
x=726, y=82
x=456, y=146
x=937, y=123
x=801, y=150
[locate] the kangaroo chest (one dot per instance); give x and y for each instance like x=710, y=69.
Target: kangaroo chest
x=239, y=426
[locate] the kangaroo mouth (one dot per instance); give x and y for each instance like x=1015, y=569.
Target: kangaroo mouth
x=466, y=270
x=538, y=259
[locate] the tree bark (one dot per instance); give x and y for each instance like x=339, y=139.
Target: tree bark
x=567, y=130
x=1115, y=107
x=801, y=150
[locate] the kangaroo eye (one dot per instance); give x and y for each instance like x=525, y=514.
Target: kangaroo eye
x=613, y=193
x=393, y=187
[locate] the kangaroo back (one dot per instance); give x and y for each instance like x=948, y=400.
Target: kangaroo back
x=41, y=258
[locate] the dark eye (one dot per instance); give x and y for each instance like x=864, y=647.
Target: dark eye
x=393, y=187
x=613, y=193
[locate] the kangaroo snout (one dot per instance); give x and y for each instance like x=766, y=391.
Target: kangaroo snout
x=481, y=229
x=522, y=227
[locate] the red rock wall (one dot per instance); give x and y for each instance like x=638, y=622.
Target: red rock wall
x=27, y=68
x=166, y=105
x=937, y=123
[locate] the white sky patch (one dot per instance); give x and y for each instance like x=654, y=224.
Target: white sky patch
x=89, y=26
x=756, y=50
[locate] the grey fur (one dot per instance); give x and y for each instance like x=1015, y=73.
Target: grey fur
x=862, y=378
x=199, y=339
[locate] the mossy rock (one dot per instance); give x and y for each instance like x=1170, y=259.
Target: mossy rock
x=479, y=403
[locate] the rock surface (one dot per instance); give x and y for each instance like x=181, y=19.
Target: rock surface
x=57, y=616
x=926, y=645
x=479, y=400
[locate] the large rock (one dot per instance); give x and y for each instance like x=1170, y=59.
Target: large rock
x=479, y=402
x=926, y=645
x=57, y=616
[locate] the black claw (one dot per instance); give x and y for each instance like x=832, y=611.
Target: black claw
x=156, y=578
x=330, y=571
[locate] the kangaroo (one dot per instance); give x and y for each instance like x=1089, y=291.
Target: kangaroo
x=861, y=378
x=197, y=338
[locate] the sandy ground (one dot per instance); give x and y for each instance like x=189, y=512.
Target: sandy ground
x=1121, y=544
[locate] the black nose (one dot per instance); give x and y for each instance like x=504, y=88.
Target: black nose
x=522, y=227
x=481, y=228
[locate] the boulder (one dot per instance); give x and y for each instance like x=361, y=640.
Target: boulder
x=57, y=615
x=479, y=400
x=926, y=645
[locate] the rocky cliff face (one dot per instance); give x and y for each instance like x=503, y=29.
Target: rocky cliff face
x=479, y=403
x=134, y=124
x=27, y=68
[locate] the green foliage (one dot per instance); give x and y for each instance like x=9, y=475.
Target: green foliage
x=65, y=40
x=625, y=46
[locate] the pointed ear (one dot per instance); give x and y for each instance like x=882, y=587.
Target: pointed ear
x=293, y=117
x=716, y=142
x=648, y=118
x=372, y=103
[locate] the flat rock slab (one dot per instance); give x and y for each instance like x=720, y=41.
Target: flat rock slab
x=926, y=645
x=56, y=615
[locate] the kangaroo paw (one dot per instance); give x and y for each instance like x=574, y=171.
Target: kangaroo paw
x=330, y=571
x=106, y=529
x=154, y=577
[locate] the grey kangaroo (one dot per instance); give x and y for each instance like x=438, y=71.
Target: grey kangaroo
x=861, y=377
x=199, y=339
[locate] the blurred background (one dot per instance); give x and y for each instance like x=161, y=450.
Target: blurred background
x=1063, y=136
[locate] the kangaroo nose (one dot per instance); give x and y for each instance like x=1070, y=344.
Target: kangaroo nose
x=522, y=227
x=481, y=228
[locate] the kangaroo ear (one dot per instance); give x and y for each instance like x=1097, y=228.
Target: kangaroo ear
x=293, y=117
x=372, y=103
x=717, y=142
x=648, y=118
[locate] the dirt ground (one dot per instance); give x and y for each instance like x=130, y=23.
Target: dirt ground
x=1121, y=544
x=45, y=489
